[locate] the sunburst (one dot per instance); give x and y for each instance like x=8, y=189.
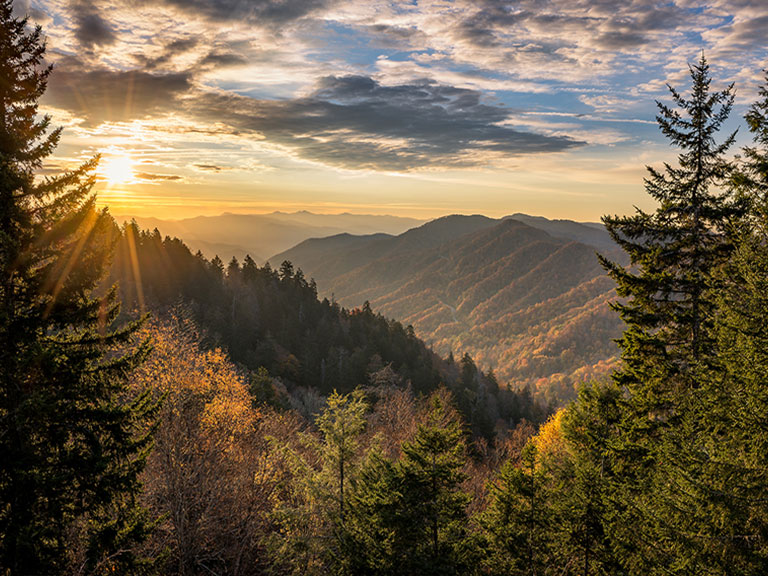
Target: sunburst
x=117, y=168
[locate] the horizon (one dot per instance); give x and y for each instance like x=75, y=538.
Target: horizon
x=120, y=216
x=416, y=110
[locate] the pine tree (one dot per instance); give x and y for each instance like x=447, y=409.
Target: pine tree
x=668, y=341
x=71, y=446
x=581, y=495
x=514, y=522
x=341, y=423
x=752, y=177
x=431, y=528
x=673, y=250
x=370, y=544
x=730, y=516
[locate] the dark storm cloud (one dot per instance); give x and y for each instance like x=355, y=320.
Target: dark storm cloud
x=354, y=122
x=91, y=29
x=258, y=12
x=99, y=95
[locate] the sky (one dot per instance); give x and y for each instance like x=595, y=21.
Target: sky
x=413, y=108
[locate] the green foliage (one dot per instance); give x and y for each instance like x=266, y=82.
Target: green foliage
x=515, y=522
x=668, y=309
x=340, y=424
x=582, y=505
x=371, y=536
x=72, y=441
x=409, y=516
x=433, y=510
x=673, y=250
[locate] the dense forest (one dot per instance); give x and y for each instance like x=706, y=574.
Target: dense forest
x=525, y=297
x=246, y=427
x=272, y=322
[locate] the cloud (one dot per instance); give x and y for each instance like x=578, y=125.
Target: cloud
x=221, y=59
x=255, y=12
x=562, y=40
x=157, y=177
x=91, y=29
x=353, y=122
x=170, y=50
x=741, y=35
x=99, y=95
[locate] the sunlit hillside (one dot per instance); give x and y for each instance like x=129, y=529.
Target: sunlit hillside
x=530, y=305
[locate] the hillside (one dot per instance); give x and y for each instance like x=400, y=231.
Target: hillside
x=530, y=304
x=272, y=320
x=260, y=235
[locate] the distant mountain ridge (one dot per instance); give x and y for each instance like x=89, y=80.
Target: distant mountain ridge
x=524, y=295
x=260, y=235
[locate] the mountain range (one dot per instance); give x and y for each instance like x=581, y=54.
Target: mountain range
x=523, y=295
x=260, y=235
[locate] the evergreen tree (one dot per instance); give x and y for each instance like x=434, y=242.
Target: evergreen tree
x=409, y=516
x=668, y=341
x=732, y=460
x=370, y=543
x=729, y=458
x=71, y=447
x=581, y=495
x=431, y=528
x=673, y=250
x=752, y=177
x=340, y=424
x=514, y=522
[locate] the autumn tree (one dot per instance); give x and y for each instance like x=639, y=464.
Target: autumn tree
x=212, y=477
x=71, y=445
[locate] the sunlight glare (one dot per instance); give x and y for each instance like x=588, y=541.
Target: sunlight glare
x=117, y=168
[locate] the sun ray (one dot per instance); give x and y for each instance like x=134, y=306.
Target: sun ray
x=85, y=229
x=133, y=254
x=117, y=168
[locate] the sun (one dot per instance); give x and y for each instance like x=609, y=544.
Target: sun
x=117, y=168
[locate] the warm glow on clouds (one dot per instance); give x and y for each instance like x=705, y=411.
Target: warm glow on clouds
x=201, y=106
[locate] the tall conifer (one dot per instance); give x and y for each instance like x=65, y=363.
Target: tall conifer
x=71, y=446
x=669, y=309
x=673, y=249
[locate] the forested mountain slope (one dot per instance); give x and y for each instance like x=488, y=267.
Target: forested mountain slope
x=532, y=305
x=272, y=320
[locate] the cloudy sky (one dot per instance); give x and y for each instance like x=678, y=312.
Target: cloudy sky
x=419, y=108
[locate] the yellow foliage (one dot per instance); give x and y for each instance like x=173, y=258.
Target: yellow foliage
x=550, y=442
